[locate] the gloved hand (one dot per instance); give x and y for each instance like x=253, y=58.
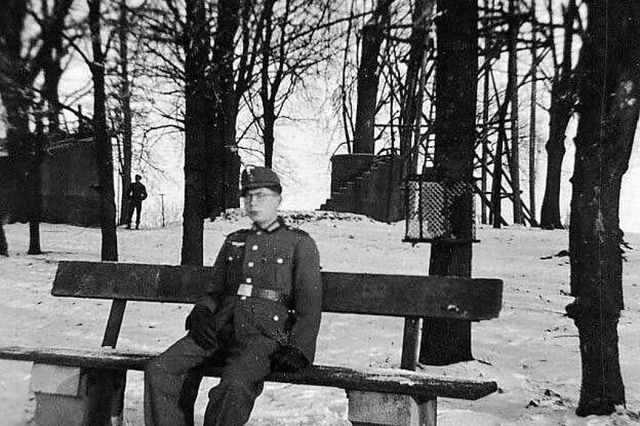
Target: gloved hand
x=201, y=326
x=288, y=359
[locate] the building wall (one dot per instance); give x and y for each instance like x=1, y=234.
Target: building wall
x=69, y=185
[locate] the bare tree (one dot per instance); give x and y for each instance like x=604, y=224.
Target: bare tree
x=21, y=64
x=609, y=90
x=563, y=100
x=124, y=99
x=198, y=109
x=102, y=140
x=368, y=72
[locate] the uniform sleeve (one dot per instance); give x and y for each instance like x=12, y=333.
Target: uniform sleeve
x=218, y=282
x=144, y=195
x=307, y=295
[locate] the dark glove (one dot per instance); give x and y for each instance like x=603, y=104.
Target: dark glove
x=201, y=326
x=288, y=359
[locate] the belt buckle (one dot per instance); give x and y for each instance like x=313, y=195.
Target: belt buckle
x=245, y=290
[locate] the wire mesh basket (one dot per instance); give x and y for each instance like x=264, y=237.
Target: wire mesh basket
x=438, y=210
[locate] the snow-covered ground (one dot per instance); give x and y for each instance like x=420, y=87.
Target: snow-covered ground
x=531, y=350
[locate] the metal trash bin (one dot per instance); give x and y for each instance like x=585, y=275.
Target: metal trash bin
x=438, y=210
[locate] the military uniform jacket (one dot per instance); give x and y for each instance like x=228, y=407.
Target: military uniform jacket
x=279, y=258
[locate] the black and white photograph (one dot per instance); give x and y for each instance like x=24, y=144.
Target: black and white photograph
x=319, y=212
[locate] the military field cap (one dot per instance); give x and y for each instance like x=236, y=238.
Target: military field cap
x=260, y=177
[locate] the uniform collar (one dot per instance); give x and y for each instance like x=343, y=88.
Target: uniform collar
x=276, y=224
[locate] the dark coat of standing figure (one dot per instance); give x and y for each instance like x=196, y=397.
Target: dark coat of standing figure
x=261, y=312
x=136, y=194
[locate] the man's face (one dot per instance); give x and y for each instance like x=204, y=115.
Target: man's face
x=261, y=205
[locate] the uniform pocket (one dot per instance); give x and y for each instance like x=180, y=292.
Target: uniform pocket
x=283, y=271
x=271, y=319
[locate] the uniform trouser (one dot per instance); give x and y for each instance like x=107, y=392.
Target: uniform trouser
x=173, y=378
x=137, y=206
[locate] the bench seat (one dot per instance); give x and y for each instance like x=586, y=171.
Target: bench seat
x=384, y=380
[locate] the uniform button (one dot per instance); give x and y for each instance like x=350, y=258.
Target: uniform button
x=254, y=248
x=230, y=258
x=250, y=264
x=280, y=260
x=259, y=233
x=248, y=280
x=275, y=318
x=243, y=297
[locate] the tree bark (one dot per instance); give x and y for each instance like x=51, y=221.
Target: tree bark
x=34, y=184
x=367, y=88
x=410, y=111
x=533, y=107
x=268, y=100
x=563, y=99
x=102, y=140
x=609, y=87
x=197, y=115
x=125, y=99
x=4, y=247
x=514, y=26
x=456, y=88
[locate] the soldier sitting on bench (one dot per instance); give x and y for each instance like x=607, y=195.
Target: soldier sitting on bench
x=262, y=313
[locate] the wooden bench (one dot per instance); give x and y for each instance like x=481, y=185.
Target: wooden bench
x=77, y=386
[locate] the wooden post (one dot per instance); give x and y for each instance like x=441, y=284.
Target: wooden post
x=109, y=385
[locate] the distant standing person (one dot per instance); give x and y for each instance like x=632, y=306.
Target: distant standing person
x=136, y=194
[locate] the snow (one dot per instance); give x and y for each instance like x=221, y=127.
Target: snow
x=531, y=350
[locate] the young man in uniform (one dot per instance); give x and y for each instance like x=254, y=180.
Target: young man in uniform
x=136, y=194
x=261, y=312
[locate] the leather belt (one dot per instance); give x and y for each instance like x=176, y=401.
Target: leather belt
x=247, y=290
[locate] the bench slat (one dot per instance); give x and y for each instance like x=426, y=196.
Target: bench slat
x=385, y=380
x=374, y=294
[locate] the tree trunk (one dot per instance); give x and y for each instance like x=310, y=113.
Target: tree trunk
x=4, y=201
x=456, y=88
x=410, y=109
x=34, y=185
x=485, y=139
x=268, y=100
x=269, y=140
x=560, y=114
x=125, y=99
x=363, y=136
x=4, y=247
x=514, y=162
x=563, y=100
x=223, y=161
x=533, y=116
x=102, y=140
x=198, y=110
x=609, y=88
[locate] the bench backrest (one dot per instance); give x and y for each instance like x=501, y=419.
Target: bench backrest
x=374, y=294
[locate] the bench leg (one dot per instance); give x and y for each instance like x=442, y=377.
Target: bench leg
x=71, y=396
x=383, y=409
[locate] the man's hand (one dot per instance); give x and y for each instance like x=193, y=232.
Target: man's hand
x=201, y=326
x=288, y=359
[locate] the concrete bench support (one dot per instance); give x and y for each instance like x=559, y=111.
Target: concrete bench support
x=73, y=396
x=59, y=394
x=384, y=409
